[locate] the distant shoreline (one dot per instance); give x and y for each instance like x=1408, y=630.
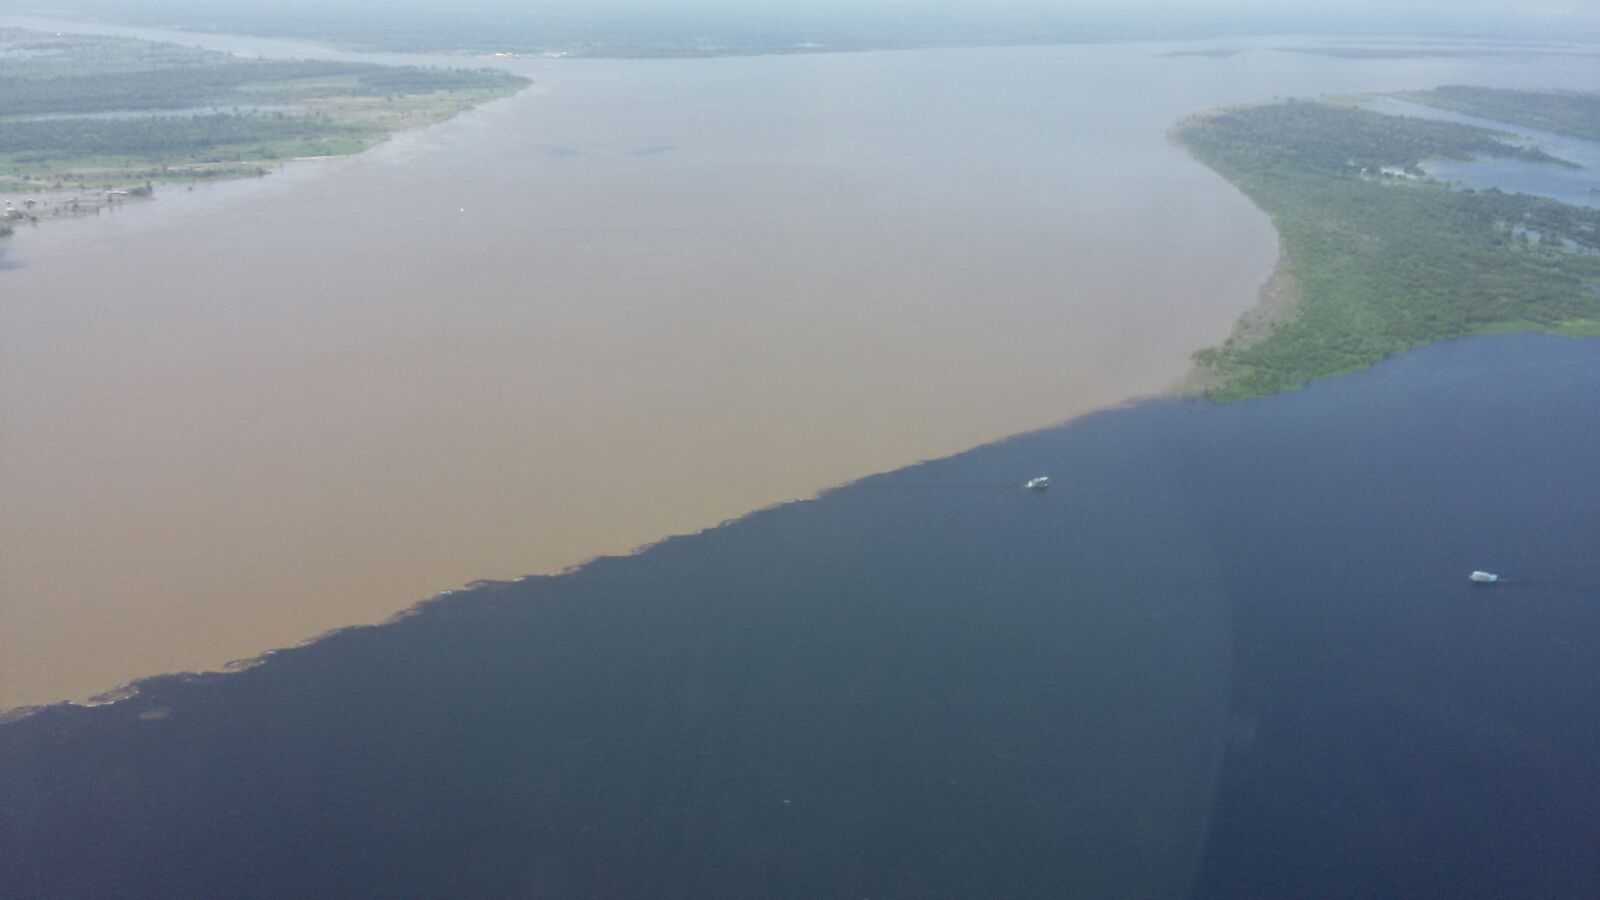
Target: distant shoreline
x=98, y=120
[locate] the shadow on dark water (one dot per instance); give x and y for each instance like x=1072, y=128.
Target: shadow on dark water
x=1231, y=652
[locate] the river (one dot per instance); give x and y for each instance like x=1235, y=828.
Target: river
x=1231, y=652
x=636, y=299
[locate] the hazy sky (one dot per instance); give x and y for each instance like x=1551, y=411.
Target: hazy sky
x=946, y=19
x=1454, y=16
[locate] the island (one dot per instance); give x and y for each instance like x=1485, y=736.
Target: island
x=1376, y=257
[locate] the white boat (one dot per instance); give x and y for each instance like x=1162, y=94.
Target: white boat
x=1482, y=577
x=1038, y=484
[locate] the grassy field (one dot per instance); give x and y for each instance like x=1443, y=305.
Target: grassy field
x=99, y=111
x=1384, y=260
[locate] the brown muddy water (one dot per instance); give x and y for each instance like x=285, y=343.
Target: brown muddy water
x=634, y=300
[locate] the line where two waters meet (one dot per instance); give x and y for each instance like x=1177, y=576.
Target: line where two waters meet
x=267, y=409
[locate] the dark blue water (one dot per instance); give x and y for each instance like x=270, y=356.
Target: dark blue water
x=1231, y=652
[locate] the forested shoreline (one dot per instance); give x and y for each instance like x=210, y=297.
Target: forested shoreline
x=1382, y=258
x=1564, y=112
x=88, y=110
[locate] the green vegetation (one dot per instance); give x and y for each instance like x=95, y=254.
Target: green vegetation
x=1571, y=328
x=1564, y=112
x=1384, y=260
x=30, y=142
x=117, y=111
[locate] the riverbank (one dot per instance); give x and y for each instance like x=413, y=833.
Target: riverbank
x=1277, y=301
x=1384, y=258
x=91, y=118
